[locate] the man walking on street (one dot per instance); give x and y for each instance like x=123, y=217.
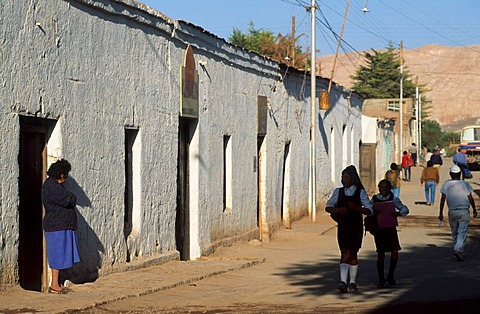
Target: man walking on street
x=458, y=194
x=436, y=159
x=461, y=161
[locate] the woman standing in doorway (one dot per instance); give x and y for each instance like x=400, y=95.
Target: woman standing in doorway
x=347, y=205
x=59, y=223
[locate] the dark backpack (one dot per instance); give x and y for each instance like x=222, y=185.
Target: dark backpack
x=371, y=224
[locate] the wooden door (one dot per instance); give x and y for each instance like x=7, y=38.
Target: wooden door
x=368, y=166
x=182, y=215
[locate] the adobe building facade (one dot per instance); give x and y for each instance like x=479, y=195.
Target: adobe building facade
x=179, y=141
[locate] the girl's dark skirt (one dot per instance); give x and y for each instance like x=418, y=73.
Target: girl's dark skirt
x=386, y=240
x=62, y=249
x=350, y=235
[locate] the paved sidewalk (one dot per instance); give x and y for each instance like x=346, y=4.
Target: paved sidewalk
x=177, y=273
x=120, y=286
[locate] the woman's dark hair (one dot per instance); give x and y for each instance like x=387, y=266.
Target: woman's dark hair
x=59, y=168
x=387, y=183
x=429, y=163
x=393, y=166
x=352, y=172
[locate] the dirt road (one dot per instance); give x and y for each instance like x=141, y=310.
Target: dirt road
x=296, y=272
x=300, y=272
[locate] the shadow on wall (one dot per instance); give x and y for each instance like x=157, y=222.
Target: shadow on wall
x=323, y=133
x=89, y=245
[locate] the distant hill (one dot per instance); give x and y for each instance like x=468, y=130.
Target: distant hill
x=452, y=74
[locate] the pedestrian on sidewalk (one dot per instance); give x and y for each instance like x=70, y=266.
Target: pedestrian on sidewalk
x=386, y=239
x=347, y=205
x=59, y=223
x=458, y=194
x=428, y=155
x=436, y=158
x=430, y=177
x=407, y=164
x=413, y=152
x=393, y=175
x=423, y=155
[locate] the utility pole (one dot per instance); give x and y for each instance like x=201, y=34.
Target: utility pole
x=420, y=122
x=292, y=53
x=401, y=99
x=416, y=113
x=338, y=47
x=312, y=202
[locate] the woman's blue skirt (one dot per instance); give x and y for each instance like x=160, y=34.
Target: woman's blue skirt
x=62, y=249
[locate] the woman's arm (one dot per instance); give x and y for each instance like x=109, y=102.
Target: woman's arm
x=331, y=206
x=336, y=210
x=57, y=194
x=367, y=206
x=402, y=209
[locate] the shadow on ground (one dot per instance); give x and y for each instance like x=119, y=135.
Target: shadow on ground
x=427, y=275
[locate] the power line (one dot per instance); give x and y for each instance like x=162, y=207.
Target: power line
x=440, y=22
x=426, y=27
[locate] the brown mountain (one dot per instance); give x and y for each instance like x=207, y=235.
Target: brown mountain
x=452, y=75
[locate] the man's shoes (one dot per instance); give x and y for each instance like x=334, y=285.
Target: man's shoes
x=342, y=287
x=352, y=287
x=458, y=256
x=429, y=204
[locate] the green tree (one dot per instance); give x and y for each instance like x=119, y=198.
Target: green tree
x=380, y=77
x=433, y=135
x=282, y=48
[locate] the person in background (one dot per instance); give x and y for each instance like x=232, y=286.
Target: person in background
x=407, y=164
x=424, y=154
x=349, y=203
x=413, y=153
x=458, y=194
x=460, y=160
x=436, y=158
x=431, y=177
x=428, y=155
x=393, y=175
x=386, y=239
x=59, y=223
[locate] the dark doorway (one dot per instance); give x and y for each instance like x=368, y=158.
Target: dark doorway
x=284, y=210
x=32, y=166
x=131, y=165
x=182, y=217
x=260, y=157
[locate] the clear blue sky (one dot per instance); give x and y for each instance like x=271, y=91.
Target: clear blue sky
x=416, y=22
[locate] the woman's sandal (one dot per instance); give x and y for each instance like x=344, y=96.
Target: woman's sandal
x=63, y=290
